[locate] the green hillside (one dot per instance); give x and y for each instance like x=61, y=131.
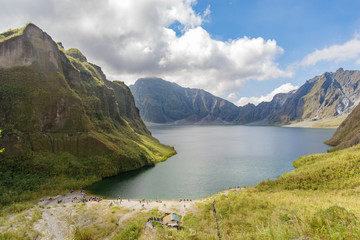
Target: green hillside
x=318, y=200
x=348, y=133
x=64, y=124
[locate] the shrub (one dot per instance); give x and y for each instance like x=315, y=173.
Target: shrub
x=131, y=232
x=100, y=115
x=333, y=222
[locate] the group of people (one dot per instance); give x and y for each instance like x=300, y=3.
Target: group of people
x=96, y=199
x=154, y=219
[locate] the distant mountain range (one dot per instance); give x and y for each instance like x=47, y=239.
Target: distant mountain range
x=160, y=101
x=322, y=97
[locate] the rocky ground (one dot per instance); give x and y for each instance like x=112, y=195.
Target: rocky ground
x=58, y=216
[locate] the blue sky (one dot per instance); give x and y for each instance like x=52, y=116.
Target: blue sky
x=299, y=27
x=233, y=49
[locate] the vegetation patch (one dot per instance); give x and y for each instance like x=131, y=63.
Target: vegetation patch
x=11, y=33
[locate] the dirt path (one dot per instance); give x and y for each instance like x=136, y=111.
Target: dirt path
x=60, y=213
x=54, y=227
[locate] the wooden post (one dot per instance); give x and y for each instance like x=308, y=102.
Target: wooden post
x=216, y=221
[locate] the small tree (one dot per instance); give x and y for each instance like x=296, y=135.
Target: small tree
x=1, y=150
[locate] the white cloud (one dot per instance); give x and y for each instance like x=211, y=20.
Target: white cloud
x=338, y=53
x=285, y=88
x=132, y=39
x=197, y=60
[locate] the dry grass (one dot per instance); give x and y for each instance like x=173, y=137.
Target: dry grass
x=328, y=123
x=20, y=225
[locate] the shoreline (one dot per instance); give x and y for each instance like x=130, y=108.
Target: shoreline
x=332, y=123
x=237, y=188
x=77, y=196
x=62, y=214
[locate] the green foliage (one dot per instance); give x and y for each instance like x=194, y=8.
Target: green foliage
x=132, y=231
x=335, y=222
x=75, y=53
x=10, y=34
x=251, y=214
x=100, y=116
x=29, y=176
x=335, y=170
x=1, y=150
x=87, y=72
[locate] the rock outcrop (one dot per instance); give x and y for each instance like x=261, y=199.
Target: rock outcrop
x=326, y=96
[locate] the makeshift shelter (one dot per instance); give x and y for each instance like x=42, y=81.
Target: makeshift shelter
x=171, y=220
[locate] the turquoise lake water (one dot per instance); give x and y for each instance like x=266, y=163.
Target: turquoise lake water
x=214, y=158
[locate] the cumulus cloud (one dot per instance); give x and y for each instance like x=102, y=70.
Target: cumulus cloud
x=198, y=60
x=285, y=88
x=133, y=38
x=339, y=53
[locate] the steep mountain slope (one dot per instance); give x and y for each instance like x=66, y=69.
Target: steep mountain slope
x=259, y=115
x=55, y=101
x=326, y=96
x=348, y=133
x=331, y=95
x=160, y=101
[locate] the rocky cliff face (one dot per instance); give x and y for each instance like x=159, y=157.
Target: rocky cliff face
x=323, y=97
x=326, y=96
x=53, y=100
x=259, y=115
x=160, y=101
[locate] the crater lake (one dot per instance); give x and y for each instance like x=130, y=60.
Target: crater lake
x=210, y=159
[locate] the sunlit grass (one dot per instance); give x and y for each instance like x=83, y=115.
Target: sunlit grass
x=319, y=200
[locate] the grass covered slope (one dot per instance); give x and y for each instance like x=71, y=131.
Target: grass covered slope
x=64, y=124
x=318, y=200
x=328, y=171
x=348, y=133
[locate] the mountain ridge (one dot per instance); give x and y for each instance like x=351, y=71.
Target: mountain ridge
x=192, y=105
x=330, y=95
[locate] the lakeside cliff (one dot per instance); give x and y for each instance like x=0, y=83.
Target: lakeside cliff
x=61, y=117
